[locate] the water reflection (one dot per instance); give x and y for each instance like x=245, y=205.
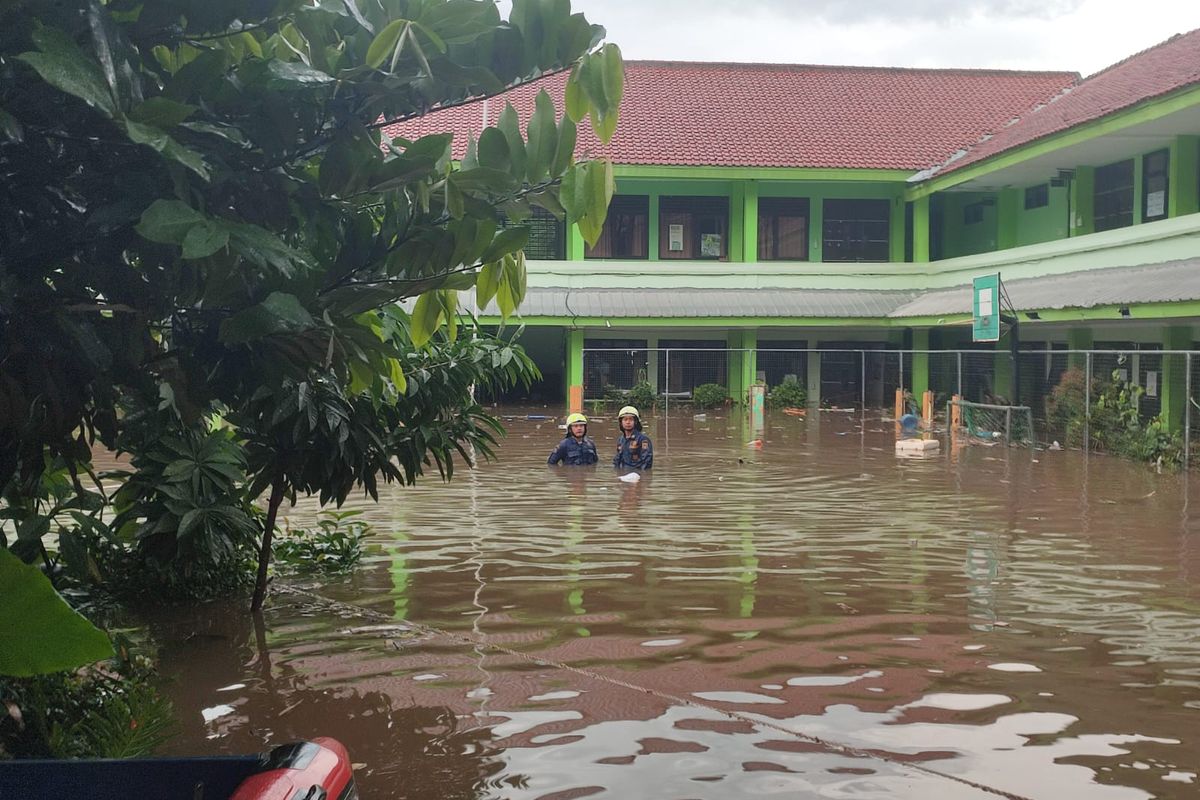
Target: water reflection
x=1024, y=620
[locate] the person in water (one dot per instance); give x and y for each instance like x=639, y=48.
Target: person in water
x=634, y=450
x=576, y=449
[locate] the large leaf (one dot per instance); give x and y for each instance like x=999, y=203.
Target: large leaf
x=168, y=221
x=160, y=140
x=64, y=66
x=509, y=125
x=279, y=313
x=426, y=317
x=385, y=42
x=39, y=632
x=543, y=138
x=11, y=127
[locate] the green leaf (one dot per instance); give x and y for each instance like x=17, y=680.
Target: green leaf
x=543, y=137
x=507, y=241
x=576, y=98
x=605, y=125
x=39, y=632
x=455, y=202
x=487, y=284
x=294, y=75
x=384, y=43
x=64, y=66
x=168, y=221
x=612, y=76
x=426, y=317
x=509, y=125
x=11, y=127
x=493, y=150
x=159, y=140
x=161, y=112
x=279, y=313
x=564, y=153
x=266, y=249
x=204, y=239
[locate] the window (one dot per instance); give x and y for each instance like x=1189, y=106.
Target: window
x=1155, y=181
x=783, y=229
x=547, y=235
x=973, y=213
x=626, y=231
x=1113, y=196
x=693, y=227
x=856, y=230
x=1037, y=196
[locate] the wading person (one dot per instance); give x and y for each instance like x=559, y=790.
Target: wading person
x=576, y=449
x=634, y=450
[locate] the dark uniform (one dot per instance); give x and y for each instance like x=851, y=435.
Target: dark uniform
x=634, y=451
x=574, y=453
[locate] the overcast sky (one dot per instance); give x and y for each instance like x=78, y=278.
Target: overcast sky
x=1078, y=35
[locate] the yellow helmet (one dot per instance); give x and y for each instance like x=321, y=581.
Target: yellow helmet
x=629, y=411
x=576, y=418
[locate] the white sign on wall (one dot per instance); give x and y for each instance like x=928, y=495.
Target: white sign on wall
x=675, y=238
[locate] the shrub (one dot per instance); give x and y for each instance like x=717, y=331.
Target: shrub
x=789, y=394
x=335, y=544
x=709, y=395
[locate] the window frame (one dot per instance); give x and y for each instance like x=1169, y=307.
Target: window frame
x=629, y=205
x=1121, y=215
x=865, y=244
x=1165, y=174
x=770, y=211
x=1037, y=196
x=693, y=208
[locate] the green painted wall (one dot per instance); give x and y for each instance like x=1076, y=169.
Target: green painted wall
x=1184, y=189
x=1174, y=377
x=962, y=239
x=1043, y=224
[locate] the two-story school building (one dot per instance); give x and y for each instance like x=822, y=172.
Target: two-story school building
x=767, y=206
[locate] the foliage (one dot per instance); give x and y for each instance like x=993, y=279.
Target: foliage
x=709, y=395
x=641, y=395
x=1115, y=424
x=335, y=545
x=201, y=216
x=789, y=394
x=40, y=632
x=109, y=711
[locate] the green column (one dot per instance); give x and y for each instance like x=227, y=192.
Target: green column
x=920, y=364
x=575, y=243
x=654, y=226
x=814, y=377
x=921, y=229
x=1082, y=199
x=749, y=362
x=737, y=221
x=574, y=370
x=1183, y=195
x=816, y=229
x=750, y=228
x=1008, y=210
x=1079, y=339
x=1003, y=383
x=733, y=368
x=1138, y=173
x=896, y=234
x=1174, y=390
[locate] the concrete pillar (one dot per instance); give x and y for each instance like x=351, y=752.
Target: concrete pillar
x=897, y=231
x=1174, y=390
x=1079, y=339
x=574, y=370
x=921, y=229
x=652, y=356
x=920, y=363
x=742, y=364
x=575, y=243
x=814, y=378
x=750, y=230
x=1183, y=195
x=1002, y=385
x=733, y=365
x=737, y=221
x=1008, y=211
x=1083, y=202
x=655, y=226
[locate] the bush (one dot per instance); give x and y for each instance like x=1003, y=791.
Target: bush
x=789, y=394
x=334, y=546
x=709, y=395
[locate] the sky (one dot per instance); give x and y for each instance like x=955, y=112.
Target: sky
x=1076, y=35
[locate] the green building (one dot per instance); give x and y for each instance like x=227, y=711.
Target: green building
x=768, y=208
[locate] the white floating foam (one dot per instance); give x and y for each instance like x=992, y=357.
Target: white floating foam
x=1014, y=667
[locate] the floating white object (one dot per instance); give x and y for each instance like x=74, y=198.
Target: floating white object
x=631, y=477
x=918, y=446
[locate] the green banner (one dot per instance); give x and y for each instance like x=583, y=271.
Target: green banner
x=986, y=322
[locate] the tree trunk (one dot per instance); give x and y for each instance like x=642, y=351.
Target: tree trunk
x=264, y=552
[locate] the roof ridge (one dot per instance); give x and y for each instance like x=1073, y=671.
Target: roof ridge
x=788, y=66
x=1173, y=37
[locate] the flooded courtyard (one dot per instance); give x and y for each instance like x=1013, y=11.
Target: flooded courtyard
x=815, y=618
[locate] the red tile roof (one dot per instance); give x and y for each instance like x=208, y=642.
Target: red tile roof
x=765, y=115
x=1160, y=70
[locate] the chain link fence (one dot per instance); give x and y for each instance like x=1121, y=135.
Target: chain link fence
x=1134, y=400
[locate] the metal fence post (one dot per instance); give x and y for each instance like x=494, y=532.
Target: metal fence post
x=901, y=359
x=959, y=359
x=1187, y=412
x=1087, y=404
x=862, y=384
x=667, y=387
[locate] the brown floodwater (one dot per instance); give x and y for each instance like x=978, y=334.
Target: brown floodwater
x=815, y=618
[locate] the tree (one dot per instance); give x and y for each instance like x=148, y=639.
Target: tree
x=199, y=215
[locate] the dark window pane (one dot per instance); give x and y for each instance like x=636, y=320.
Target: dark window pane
x=1113, y=196
x=783, y=229
x=856, y=230
x=626, y=231
x=693, y=227
x=1155, y=185
x=547, y=236
x=972, y=213
x=1037, y=196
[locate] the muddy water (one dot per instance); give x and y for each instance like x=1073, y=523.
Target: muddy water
x=813, y=619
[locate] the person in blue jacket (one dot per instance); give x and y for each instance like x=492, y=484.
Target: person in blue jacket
x=634, y=449
x=576, y=449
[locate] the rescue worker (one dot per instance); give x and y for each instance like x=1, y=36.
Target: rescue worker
x=634, y=450
x=576, y=449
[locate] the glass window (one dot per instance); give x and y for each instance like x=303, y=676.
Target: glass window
x=547, y=235
x=626, y=231
x=972, y=213
x=856, y=230
x=783, y=229
x=1037, y=196
x=693, y=227
x=1155, y=182
x=1113, y=196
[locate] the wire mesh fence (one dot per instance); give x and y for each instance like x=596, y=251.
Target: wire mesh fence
x=1128, y=399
